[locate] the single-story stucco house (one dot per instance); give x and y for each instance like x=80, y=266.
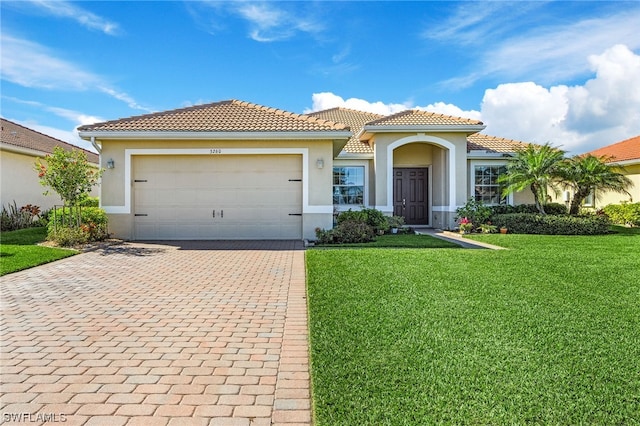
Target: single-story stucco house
x=237, y=170
x=20, y=147
x=625, y=154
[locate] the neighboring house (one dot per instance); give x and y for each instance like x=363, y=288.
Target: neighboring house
x=625, y=154
x=237, y=170
x=20, y=147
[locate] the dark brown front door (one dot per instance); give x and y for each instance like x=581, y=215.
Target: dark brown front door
x=410, y=195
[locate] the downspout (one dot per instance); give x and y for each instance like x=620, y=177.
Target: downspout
x=95, y=145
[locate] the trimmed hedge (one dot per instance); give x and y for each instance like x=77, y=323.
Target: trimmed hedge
x=627, y=214
x=526, y=223
x=551, y=208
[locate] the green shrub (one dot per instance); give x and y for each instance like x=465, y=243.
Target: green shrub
x=475, y=212
x=90, y=202
x=627, y=214
x=372, y=217
x=527, y=223
x=353, y=232
x=68, y=237
x=551, y=208
x=346, y=232
x=395, y=222
x=93, y=223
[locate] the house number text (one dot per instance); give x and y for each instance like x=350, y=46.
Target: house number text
x=215, y=151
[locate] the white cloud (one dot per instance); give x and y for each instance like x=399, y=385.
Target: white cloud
x=31, y=65
x=539, y=51
x=327, y=100
x=606, y=109
x=268, y=21
x=602, y=111
x=65, y=9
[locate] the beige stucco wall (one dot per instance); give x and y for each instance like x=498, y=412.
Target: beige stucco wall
x=19, y=182
x=606, y=198
x=319, y=185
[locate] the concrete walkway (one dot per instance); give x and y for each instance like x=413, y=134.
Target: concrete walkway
x=456, y=238
x=202, y=333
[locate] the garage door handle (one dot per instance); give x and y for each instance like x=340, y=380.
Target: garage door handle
x=214, y=213
x=221, y=213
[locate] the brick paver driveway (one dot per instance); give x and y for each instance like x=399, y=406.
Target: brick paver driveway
x=153, y=334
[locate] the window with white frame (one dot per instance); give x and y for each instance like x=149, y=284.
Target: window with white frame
x=486, y=187
x=348, y=185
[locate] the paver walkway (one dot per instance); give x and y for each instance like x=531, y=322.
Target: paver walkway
x=203, y=333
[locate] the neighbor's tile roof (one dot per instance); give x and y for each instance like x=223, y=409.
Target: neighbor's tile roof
x=414, y=117
x=23, y=137
x=355, y=120
x=479, y=141
x=224, y=116
x=628, y=149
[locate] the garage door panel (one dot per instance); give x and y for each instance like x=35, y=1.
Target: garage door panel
x=253, y=197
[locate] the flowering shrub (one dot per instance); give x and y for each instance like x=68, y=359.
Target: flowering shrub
x=465, y=225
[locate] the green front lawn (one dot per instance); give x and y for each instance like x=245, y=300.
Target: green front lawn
x=18, y=250
x=547, y=332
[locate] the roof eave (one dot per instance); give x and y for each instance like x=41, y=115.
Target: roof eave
x=629, y=162
x=440, y=128
x=194, y=135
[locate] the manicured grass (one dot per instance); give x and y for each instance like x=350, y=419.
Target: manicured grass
x=400, y=241
x=547, y=332
x=18, y=250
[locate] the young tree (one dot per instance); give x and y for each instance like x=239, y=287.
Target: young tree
x=535, y=167
x=586, y=173
x=68, y=173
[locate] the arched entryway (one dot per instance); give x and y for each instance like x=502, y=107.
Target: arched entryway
x=420, y=178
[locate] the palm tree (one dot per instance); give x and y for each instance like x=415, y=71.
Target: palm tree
x=535, y=167
x=584, y=174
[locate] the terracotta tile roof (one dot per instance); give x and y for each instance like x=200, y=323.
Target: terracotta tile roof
x=355, y=120
x=414, y=117
x=626, y=150
x=23, y=137
x=479, y=141
x=224, y=116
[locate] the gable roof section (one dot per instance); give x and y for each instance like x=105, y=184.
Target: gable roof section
x=225, y=117
x=494, y=144
x=355, y=120
x=22, y=137
x=412, y=117
x=627, y=150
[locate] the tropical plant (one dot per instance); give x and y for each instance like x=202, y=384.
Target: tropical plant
x=535, y=167
x=69, y=174
x=584, y=174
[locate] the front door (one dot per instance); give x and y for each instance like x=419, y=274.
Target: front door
x=411, y=195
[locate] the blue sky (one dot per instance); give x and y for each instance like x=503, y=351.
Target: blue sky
x=567, y=72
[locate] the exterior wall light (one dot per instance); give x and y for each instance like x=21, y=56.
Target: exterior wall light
x=110, y=163
x=319, y=163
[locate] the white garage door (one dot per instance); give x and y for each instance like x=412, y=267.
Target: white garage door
x=217, y=197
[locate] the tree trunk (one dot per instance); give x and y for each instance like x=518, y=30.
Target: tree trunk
x=536, y=198
x=576, y=201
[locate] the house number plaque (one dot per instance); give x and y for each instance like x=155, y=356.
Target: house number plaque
x=215, y=151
